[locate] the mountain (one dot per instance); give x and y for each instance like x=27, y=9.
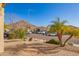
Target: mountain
x=74, y=26
x=22, y=24
x=42, y=28
x=27, y=25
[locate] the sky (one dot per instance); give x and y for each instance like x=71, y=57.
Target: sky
x=41, y=14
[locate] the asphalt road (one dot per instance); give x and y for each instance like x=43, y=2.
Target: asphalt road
x=47, y=38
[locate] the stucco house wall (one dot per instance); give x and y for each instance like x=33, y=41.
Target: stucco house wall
x=1, y=28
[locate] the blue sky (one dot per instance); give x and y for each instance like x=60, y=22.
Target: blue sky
x=41, y=14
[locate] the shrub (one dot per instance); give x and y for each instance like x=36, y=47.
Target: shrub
x=53, y=41
x=20, y=33
x=17, y=34
x=11, y=35
x=70, y=43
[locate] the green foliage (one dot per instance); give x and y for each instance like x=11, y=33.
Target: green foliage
x=72, y=31
x=6, y=26
x=53, y=41
x=69, y=43
x=60, y=28
x=17, y=34
x=57, y=26
x=21, y=33
x=12, y=35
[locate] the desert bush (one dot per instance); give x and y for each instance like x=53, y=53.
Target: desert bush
x=70, y=43
x=20, y=33
x=17, y=34
x=53, y=41
x=11, y=35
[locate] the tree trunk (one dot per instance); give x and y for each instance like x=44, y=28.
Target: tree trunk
x=67, y=40
x=59, y=35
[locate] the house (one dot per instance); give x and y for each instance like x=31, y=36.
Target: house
x=41, y=30
x=1, y=27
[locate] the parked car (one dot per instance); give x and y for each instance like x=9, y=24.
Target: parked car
x=52, y=34
x=6, y=35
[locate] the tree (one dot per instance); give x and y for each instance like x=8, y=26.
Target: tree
x=72, y=32
x=60, y=28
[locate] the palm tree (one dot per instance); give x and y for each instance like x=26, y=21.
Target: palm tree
x=60, y=28
x=72, y=32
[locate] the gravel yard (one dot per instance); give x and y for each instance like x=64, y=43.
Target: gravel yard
x=21, y=48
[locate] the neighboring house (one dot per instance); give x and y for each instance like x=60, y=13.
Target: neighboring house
x=41, y=30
